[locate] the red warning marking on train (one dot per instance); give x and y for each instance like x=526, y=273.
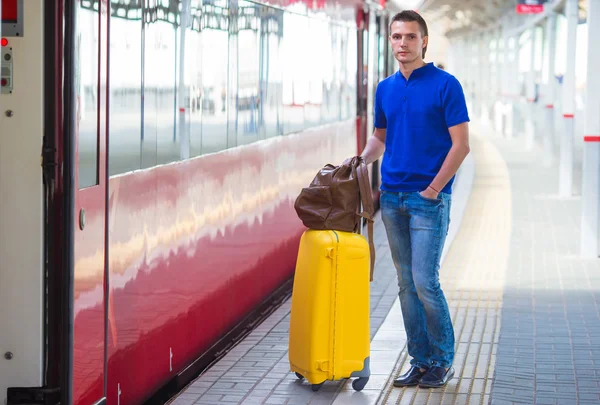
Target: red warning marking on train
x=9, y=11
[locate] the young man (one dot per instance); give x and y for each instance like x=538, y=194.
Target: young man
x=421, y=122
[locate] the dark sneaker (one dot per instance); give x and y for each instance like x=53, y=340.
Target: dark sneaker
x=436, y=377
x=411, y=377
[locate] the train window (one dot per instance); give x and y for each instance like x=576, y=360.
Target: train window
x=327, y=74
x=88, y=97
x=211, y=78
x=295, y=66
x=161, y=77
x=154, y=84
x=337, y=41
x=214, y=92
x=248, y=25
x=317, y=31
x=349, y=82
x=232, y=81
x=187, y=62
x=125, y=107
x=270, y=97
x=191, y=88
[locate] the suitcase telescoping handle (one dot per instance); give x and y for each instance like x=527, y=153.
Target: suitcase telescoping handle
x=360, y=228
x=366, y=207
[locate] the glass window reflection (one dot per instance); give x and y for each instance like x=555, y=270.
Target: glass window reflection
x=351, y=70
x=88, y=96
x=271, y=93
x=317, y=30
x=125, y=107
x=295, y=82
x=210, y=75
x=193, y=78
x=337, y=41
x=162, y=59
x=248, y=73
x=214, y=76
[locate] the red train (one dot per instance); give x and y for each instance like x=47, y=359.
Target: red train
x=177, y=135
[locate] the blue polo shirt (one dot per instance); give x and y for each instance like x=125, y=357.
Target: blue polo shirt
x=417, y=114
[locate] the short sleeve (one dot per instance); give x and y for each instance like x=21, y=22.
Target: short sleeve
x=379, y=116
x=454, y=103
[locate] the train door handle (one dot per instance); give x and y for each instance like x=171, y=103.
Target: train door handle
x=81, y=219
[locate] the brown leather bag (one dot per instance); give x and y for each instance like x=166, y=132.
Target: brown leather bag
x=332, y=201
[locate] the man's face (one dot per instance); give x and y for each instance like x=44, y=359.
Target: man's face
x=407, y=41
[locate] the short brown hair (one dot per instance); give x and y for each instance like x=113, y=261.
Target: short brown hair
x=409, y=16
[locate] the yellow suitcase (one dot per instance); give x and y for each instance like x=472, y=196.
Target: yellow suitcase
x=329, y=325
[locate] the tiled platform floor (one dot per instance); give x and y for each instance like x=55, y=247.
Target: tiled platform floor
x=257, y=371
x=525, y=307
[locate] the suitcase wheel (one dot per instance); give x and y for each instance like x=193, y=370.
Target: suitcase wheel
x=300, y=377
x=317, y=387
x=360, y=383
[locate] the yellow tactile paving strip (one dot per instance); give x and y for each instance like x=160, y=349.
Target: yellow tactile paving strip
x=472, y=277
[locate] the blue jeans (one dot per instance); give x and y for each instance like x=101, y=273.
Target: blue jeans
x=416, y=229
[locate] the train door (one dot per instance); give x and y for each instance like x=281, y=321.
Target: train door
x=370, y=30
x=380, y=72
x=90, y=42
x=361, y=79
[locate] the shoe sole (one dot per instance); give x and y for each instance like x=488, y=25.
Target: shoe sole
x=432, y=386
x=405, y=385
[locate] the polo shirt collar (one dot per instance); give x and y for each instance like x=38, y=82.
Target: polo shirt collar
x=419, y=72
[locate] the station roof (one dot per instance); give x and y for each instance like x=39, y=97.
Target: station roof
x=462, y=17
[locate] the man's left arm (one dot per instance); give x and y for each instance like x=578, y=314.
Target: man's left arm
x=457, y=154
x=457, y=120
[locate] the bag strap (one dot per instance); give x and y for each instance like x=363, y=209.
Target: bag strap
x=367, y=205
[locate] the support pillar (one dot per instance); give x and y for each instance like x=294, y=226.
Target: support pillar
x=590, y=197
x=477, y=77
x=566, y=143
x=549, y=89
x=498, y=99
x=515, y=89
x=530, y=86
x=488, y=84
x=472, y=78
x=484, y=77
x=507, y=87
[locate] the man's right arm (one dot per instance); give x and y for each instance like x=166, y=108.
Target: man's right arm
x=375, y=146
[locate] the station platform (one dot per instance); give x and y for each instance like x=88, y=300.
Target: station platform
x=525, y=306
